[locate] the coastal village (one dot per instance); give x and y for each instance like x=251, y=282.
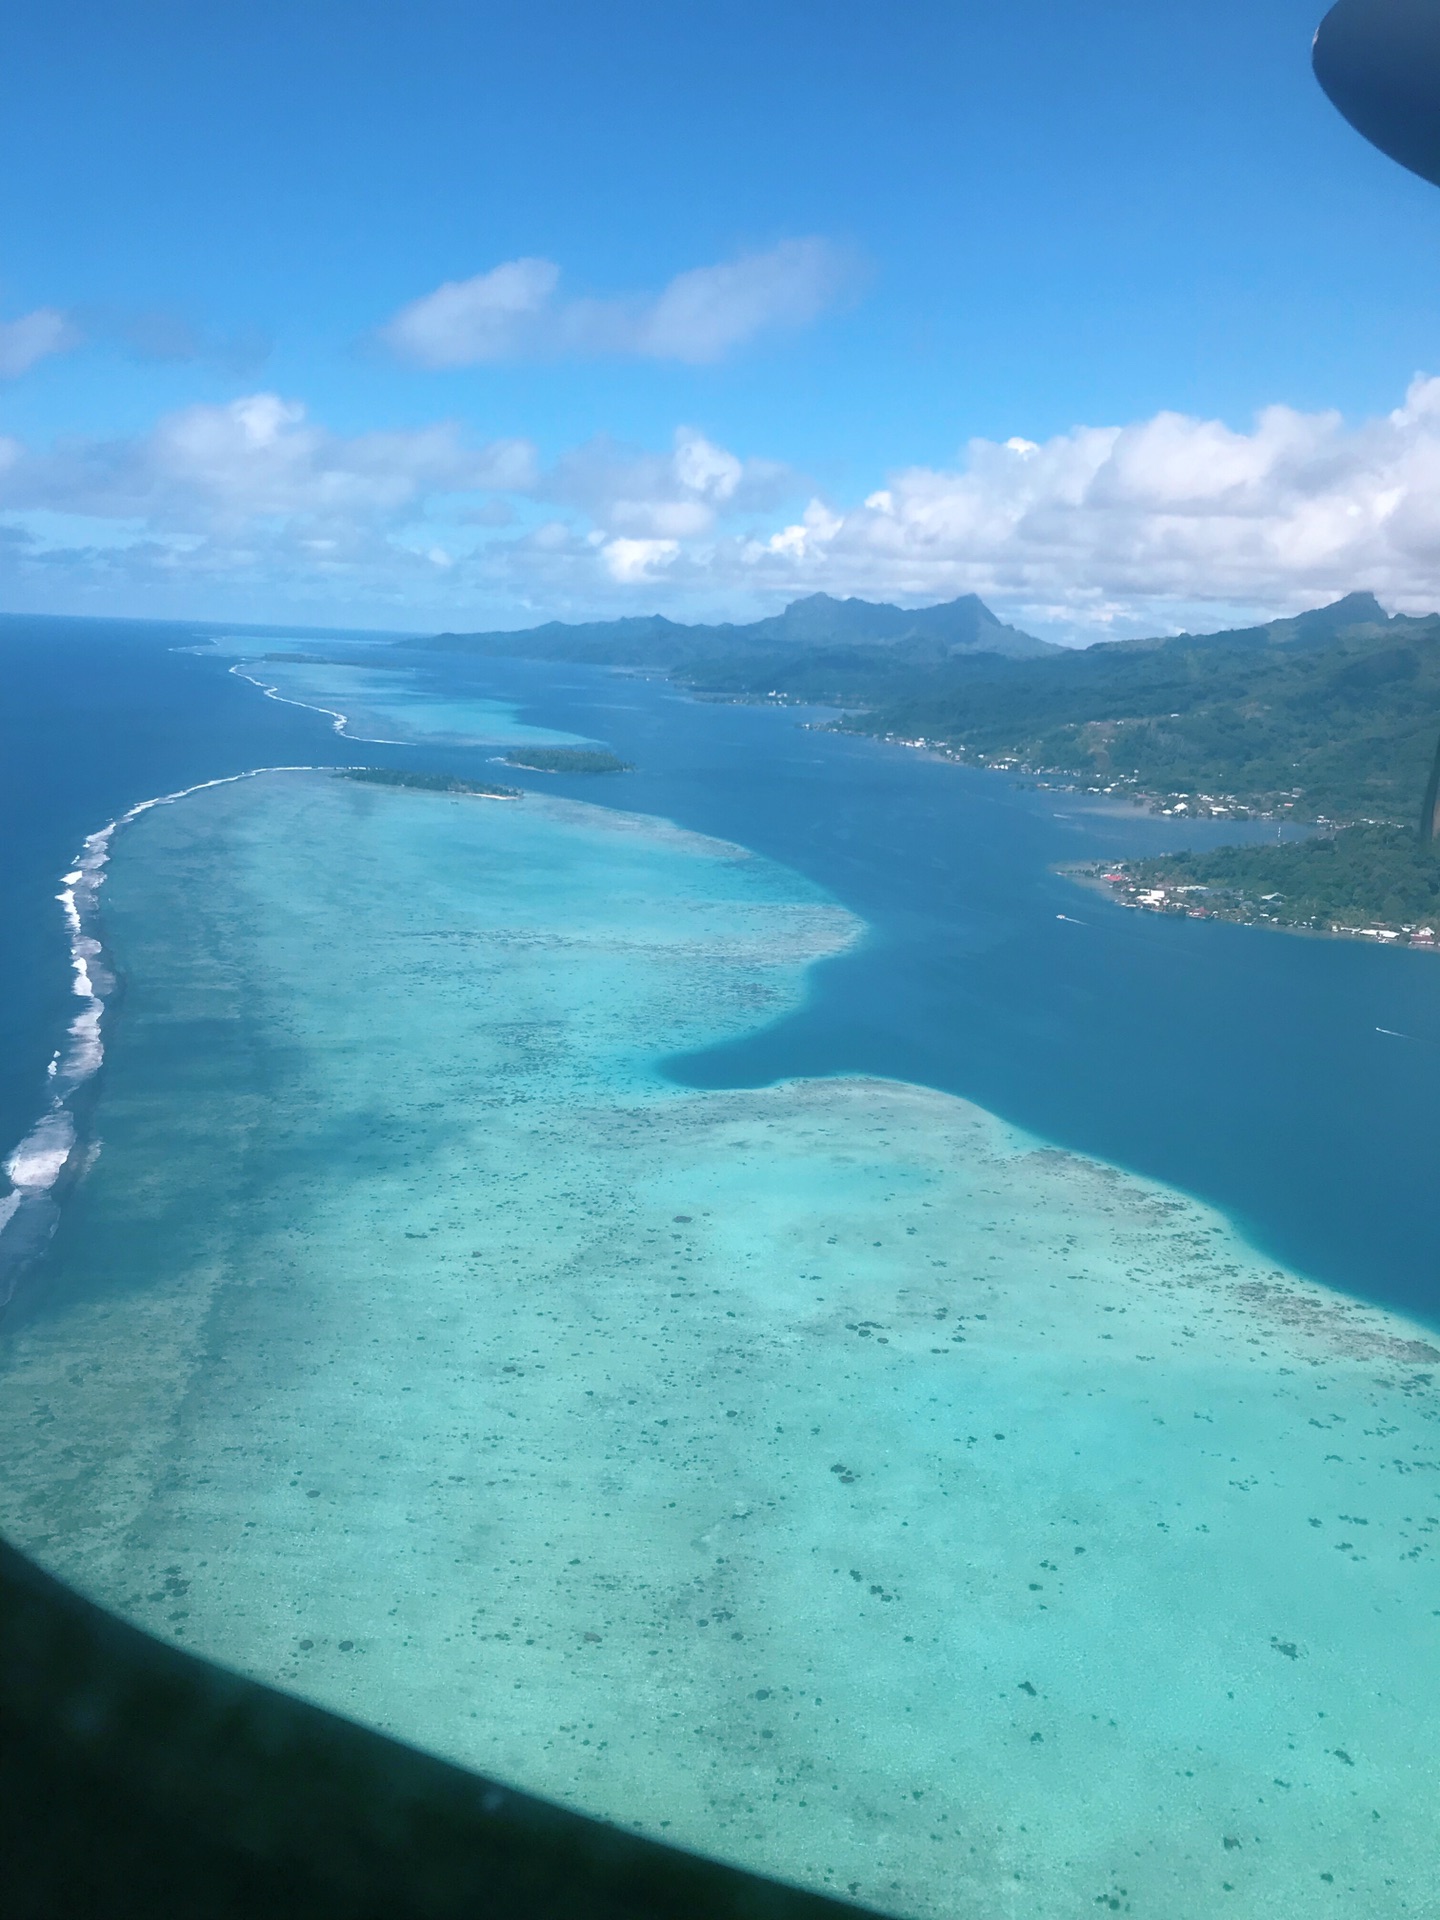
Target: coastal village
x=1195, y=901
x=1193, y=806
x=1142, y=891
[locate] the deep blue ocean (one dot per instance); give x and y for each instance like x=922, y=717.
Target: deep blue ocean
x=1247, y=1068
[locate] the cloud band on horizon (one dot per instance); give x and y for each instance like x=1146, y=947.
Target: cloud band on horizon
x=1100, y=530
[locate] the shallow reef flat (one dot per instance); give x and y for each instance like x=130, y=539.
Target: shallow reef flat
x=827, y=1476
x=389, y=704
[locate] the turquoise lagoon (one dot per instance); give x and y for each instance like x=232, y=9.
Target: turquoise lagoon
x=388, y=705
x=827, y=1476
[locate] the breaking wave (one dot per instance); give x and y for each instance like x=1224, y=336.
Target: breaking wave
x=53, y=1152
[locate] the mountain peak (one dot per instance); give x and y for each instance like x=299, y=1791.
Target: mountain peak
x=963, y=625
x=1359, y=609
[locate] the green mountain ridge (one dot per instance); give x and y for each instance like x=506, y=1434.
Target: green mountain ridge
x=935, y=633
x=1330, y=714
x=1312, y=628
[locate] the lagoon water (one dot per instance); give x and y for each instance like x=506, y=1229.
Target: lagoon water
x=544, y=1289
x=394, y=706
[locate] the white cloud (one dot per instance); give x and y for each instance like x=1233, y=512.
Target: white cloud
x=513, y=311
x=34, y=337
x=1138, y=526
x=705, y=468
x=251, y=498
x=679, y=495
x=701, y=315
x=632, y=561
x=810, y=535
x=260, y=459
x=493, y=316
x=1169, y=521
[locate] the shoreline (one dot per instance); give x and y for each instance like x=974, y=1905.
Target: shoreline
x=1120, y=793
x=1096, y=882
x=1212, y=809
x=1118, y=798
x=1182, y=806
x=57, y=1151
x=1218, y=807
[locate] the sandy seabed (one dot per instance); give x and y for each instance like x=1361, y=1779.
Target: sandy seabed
x=828, y=1476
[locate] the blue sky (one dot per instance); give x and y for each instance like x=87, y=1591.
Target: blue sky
x=478, y=314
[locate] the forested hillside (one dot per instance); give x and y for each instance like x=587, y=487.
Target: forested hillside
x=1331, y=715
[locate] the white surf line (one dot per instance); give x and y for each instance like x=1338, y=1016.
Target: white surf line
x=37, y=1161
x=338, y=721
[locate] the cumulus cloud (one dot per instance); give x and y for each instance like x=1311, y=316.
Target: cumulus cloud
x=1138, y=525
x=255, y=493
x=250, y=497
x=259, y=459
x=515, y=310
x=1168, y=521
x=681, y=494
x=632, y=561
x=34, y=337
